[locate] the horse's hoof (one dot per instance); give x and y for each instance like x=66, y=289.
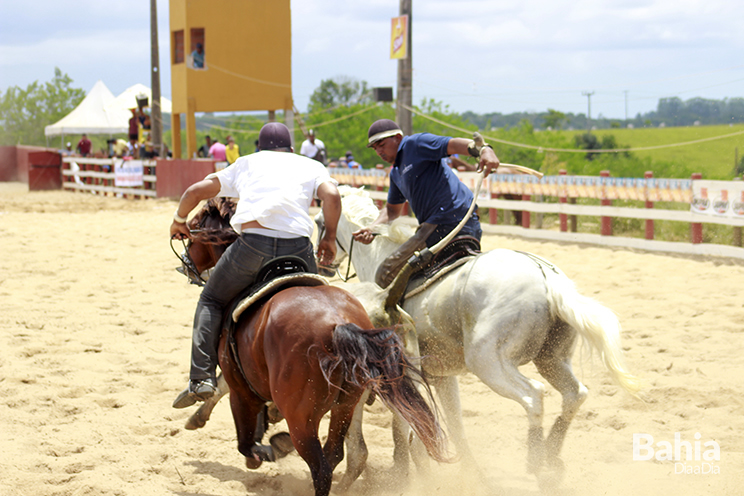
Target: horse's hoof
x=252, y=463
x=282, y=444
x=274, y=415
x=194, y=424
x=264, y=453
x=549, y=480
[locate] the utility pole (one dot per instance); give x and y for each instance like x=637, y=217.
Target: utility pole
x=588, y=95
x=405, y=76
x=156, y=120
x=626, y=107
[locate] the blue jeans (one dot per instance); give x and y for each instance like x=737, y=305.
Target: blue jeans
x=236, y=270
x=471, y=228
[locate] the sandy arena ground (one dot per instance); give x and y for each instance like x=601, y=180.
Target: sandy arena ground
x=95, y=337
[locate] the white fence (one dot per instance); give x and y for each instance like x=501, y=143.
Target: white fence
x=99, y=175
x=606, y=189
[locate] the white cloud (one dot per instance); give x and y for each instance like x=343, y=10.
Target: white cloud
x=484, y=54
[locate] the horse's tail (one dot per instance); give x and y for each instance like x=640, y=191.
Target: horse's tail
x=375, y=358
x=596, y=323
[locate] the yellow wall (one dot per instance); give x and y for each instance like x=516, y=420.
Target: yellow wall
x=248, y=55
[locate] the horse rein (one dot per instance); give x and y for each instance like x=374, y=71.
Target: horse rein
x=348, y=253
x=187, y=262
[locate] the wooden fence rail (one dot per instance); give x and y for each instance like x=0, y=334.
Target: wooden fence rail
x=695, y=194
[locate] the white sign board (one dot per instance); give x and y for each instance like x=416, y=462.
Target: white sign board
x=128, y=173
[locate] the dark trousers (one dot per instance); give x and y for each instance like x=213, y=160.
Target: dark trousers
x=236, y=270
x=471, y=228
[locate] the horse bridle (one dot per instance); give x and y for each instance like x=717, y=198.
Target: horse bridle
x=335, y=266
x=191, y=272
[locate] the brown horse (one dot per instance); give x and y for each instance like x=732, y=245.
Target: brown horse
x=311, y=350
x=210, y=236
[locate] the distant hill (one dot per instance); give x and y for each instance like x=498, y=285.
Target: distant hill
x=669, y=112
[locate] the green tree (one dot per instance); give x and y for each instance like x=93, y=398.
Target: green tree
x=25, y=113
x=341, y=90
x=554, y=119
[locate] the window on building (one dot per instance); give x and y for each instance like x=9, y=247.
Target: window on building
x=198, y=49
x=178, y=47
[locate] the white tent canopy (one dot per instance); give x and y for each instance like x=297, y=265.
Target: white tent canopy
x=128, y=99
x=92, y=116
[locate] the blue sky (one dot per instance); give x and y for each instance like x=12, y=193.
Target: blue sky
x=479, y=55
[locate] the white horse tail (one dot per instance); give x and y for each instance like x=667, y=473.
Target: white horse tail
x=596, y=323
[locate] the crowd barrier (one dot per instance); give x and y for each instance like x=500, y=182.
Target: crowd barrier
x=704, y=201
x=707, y=202
x=161, y=178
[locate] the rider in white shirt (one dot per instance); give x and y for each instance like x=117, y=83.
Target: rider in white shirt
x=313, y=148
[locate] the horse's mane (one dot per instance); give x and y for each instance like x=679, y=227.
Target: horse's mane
x=359, y=209
x=221, y=210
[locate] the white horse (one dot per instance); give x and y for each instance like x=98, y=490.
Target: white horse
x=500, y=310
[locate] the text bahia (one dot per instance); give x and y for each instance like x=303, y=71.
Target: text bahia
x=644, y=449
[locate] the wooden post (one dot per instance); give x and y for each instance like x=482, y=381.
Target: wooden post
x=649, y=204
x=572, y=218
x=380, y=185
x=696, y=228
x=526, y=213
x=493, y=213
x=605, y=221
x=563, y=218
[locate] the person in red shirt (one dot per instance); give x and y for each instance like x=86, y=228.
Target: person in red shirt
x=83, y=146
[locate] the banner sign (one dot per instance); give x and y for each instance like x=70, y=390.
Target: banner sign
x=128, y=173
x=399, y=38
x=718, y=198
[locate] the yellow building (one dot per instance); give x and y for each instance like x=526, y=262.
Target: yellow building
x=229, y=56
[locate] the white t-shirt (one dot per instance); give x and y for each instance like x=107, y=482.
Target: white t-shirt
x=274, y=188
x=311, y=149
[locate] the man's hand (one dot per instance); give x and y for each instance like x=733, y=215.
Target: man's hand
x=489, y=162
x=179, y=230
x=364, y=235
x=327, y=250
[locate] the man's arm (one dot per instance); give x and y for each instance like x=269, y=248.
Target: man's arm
x=331, y=206
x=387, y=215
x=488, y=159
x=194, y=194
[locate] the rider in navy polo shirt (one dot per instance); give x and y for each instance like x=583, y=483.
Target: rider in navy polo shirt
x=437, y=197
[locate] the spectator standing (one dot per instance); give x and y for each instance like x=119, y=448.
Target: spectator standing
x=204, y=150
x=313, y=148
x=134, y=125
x=83, y=146
x=232, y=151
x=197, y=57
x=217, y=151
x=351, y=163
x=120, y=148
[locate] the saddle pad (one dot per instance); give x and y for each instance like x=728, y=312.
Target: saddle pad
x=419, y=284
x=276, y=285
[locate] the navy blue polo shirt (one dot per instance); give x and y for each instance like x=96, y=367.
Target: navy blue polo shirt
x=433, y=191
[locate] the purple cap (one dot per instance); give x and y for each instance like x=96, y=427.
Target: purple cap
x=274, y=135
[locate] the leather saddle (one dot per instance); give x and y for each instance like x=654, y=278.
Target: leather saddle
x=458, y=251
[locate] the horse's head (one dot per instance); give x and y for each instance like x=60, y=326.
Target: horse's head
x=359, y=210
x=211, y=234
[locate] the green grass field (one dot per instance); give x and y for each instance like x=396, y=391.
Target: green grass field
x=714, y=159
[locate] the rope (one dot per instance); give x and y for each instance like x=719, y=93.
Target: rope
x=248, y=78
x=339, y=119
x=571, y=150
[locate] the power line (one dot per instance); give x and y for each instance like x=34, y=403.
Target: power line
x=575, y=150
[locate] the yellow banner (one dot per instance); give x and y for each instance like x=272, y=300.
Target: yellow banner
x=399, y=38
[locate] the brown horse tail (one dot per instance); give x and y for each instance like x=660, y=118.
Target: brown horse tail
x=375, y=358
